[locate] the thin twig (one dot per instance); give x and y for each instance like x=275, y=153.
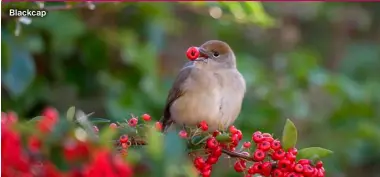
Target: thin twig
x=237, y=155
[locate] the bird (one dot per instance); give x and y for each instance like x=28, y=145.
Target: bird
x=209, y=88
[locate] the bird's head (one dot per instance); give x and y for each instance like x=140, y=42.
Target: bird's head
x=215, y=53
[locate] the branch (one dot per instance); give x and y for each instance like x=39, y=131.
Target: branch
x=237, y=155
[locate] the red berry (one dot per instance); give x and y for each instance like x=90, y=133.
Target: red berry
x=124, y=145
x=217, y=152
x=203, y=125
x=290, y=156
x=199, y=162
x=207, y=167
x=206, y=173
x=308, y=170
x=278, y=155
x=132, y=122
x=266, y=168
x=320, y=173
x=277, y=173
x=319, y=164
x=212, y=160
x=298, y=168
x=233, y=129
x=50, y=113
x=248, y=175
x=123, y=139
x=146, y=117
x=259, y=155
x=211, y=143
x=304, y=161
x=257, y=138
x=239, y=134
x=275, y=145
x=239, y=166
x=284, y=164
x=265, y=146
x=267, y=137
x=247, y=144
x=192, y=53
x=113, y=126
x=255, y=168
x=158, y=126
x=216, y=133
x=182, y=134
x=294, y=151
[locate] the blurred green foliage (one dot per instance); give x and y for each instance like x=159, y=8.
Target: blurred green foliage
x=316, y=63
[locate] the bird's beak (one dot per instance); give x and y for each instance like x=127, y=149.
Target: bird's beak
x=204, y=55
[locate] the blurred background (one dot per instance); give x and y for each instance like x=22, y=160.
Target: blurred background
x=316, y=63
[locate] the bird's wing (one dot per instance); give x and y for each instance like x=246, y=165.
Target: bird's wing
x=175, y=92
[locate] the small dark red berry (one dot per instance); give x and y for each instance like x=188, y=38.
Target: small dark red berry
x=294, y=151
x=267, y=137
x=247, y=144
x=319, y=164
x=257, y=138
x=265, y=146
x=304, y=161
x=206, y=173
x=123, y=139
x=259, y=155
x=182, y=134
x=158, y=126
x=240, y=166
x=199, y=162
x=277, y=173
x=233, y=129
x=275, y=145
x=308, y=170
x=255, y=168
x=216, y=133
x=278, y=155
x=266, y=168
x=217, y=152
x=146, y=117
x=290, y=156
x=211, y=143
x=207, y=167
x=212, y=160
x=239, y=134
x=284, y=164
x=192, y=53
x=298, y=168
x=203, y=126
x=133, y=122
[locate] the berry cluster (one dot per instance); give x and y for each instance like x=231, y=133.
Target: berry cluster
x=266, y=158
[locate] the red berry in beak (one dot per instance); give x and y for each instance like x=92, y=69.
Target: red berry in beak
x=192, y=53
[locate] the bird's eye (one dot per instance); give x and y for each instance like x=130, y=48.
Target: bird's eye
x=216, y=54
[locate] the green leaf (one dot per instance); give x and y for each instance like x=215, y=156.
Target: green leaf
x=99, y=120
x=289, y=135
x=313, y=153
x=70, y=113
